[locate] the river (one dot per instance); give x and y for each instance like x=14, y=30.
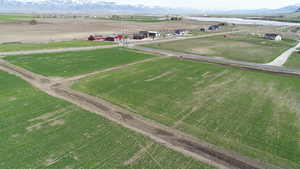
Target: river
x=244, y=21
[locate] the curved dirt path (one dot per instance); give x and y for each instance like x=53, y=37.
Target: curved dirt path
x=280, y=60
x=169, y=137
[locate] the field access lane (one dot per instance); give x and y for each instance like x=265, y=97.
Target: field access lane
x=282, y=59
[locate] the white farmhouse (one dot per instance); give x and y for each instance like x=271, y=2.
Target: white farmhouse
x=273, y=36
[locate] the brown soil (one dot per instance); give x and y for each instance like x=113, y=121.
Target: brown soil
x=68, y=29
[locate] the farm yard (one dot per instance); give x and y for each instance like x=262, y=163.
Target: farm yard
x=256, y=114
x=293, y=61
x=39, y=131
x=67, y=64
x=50, y=45
x=65, y=29
x=242, y=47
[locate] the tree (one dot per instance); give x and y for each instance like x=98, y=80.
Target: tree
x=33, y=22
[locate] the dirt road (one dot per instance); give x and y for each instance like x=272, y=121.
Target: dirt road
x=224, y=61
x=280, y=60
x=171, y=138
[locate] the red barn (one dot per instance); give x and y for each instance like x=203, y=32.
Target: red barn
x=114, y=38
x=95, y=37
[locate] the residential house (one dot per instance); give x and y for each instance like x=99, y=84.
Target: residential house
x=273, y=36
x=214, y=27
x=180, y=32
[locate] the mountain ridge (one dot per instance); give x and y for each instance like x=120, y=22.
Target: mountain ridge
x=92, y=6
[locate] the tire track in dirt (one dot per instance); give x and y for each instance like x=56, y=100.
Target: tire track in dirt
x=3, y=54
x=74, y=78
x=169, y=137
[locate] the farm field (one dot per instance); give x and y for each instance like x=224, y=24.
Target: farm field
x=50, y=45
x=68, y=64
x=293, y=61
x=66, y=29
x=240, y=47
x=6, y=18
x=253, y=113
x=39, y=131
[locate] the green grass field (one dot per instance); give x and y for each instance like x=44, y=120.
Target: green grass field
x=254, y=113
x=237, y=47
x=138, y=18
x=6, y=18
x=39, y=131
x=293, y=61
x=68, y=64
x=50, y=45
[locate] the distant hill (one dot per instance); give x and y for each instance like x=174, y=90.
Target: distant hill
x=283, y=10
x=66, y=6
x=88, y=6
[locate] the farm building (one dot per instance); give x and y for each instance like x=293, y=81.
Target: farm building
x=147, y=34
x=154, y=34
x=114, y=38
x=139, y=36
x=214, y=27
x=222, y=24
x=180, y=32
x=144, y=33
x=176, y=18
x=273, y=36
x=95, y=37
x=202, y=30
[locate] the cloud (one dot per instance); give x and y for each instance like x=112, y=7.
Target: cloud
x=205, y=4
x=213, y=4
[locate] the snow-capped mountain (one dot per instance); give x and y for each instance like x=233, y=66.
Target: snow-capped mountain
x=82, y=6
x=96, y=6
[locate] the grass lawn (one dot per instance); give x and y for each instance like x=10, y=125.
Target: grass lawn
x=293, y=61
x=14, y=17
x=254, y=113
x=237, y=47
x=39, y=131
x=50, y=45
x=68, y=64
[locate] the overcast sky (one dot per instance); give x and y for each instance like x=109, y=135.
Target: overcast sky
x=206, y=4
x=215, y=4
